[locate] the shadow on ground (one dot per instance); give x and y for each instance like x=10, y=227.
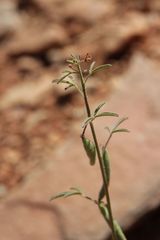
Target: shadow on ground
x=146, y=227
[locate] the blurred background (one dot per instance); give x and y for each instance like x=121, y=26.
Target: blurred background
x=40, y=124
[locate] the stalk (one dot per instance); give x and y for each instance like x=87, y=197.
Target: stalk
x=98, y=152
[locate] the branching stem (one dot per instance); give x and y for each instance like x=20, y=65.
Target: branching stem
x=82, y=79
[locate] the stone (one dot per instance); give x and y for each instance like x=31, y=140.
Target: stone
x=22, y=93
x=27, y=212
x=9, y=18
x=22, y=44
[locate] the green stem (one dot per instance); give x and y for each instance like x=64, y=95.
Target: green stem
x=109, y=138
x=98, y=152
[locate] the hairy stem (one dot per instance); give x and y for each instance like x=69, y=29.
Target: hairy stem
x=98, y=152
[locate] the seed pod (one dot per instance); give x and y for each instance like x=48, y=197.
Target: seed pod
x=101, y=193
x=106, y=165
x=90, y=150
x=104, y=211
x=119, y=233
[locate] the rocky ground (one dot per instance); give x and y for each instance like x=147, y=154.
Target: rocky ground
x=36, y=37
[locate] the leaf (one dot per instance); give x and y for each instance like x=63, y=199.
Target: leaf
x=108, y=129
x=118, y=230
x=90, y=150
x=106, y=165
x=104, y=211
x=55, y=80
x=69, y=86
x=71, y=193
x=74, y=191
x=87, y=121
x=120, y=121
x=101, y=193
x=73, y=60
x=69, y=61
x=63, y=77
x=121, y=130
x=109, y=114
x=101, y=67
x=69, y=83
x=91, y=67
x=59, y=195
x=99, y=107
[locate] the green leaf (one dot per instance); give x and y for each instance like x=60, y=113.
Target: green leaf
x=69, y=86
x=87, y=121
x=71, y=193
x=99, y=107
x=70, y=61
x=121, y=130
x=101, y=193
x=120, y=121
x=109, y=114
x=106, y=165
x=90, y=150
x=91, y=67
x=118, y=230
x=73, y=60
x=63, y=77
x=55, y=80
x=104, y=211
x=108, y=129
x=59, y=195
x=74, y=191
x=101, y=67
x=78, y=190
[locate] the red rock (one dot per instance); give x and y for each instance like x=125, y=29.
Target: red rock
x=135, y=171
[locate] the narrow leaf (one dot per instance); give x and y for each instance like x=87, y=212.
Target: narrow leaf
x=108, y=129
x=87, y=121
x=101, y=193
x=91, y=67
x=99, y=107
x=71, y=193
x=67, y=82
x=120, y=121
x=121, y=130
x=70, y=61
x=69, y=86
x=63, y=77
x=106, y=165
x=118, y=230
x=59, y=195
x=109, y=114
x=76, y=189
x=55, y=80
x=101, y=67
x=90, y=150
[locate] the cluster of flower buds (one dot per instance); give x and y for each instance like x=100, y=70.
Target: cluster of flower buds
x=75, y=60
x=87, y=58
